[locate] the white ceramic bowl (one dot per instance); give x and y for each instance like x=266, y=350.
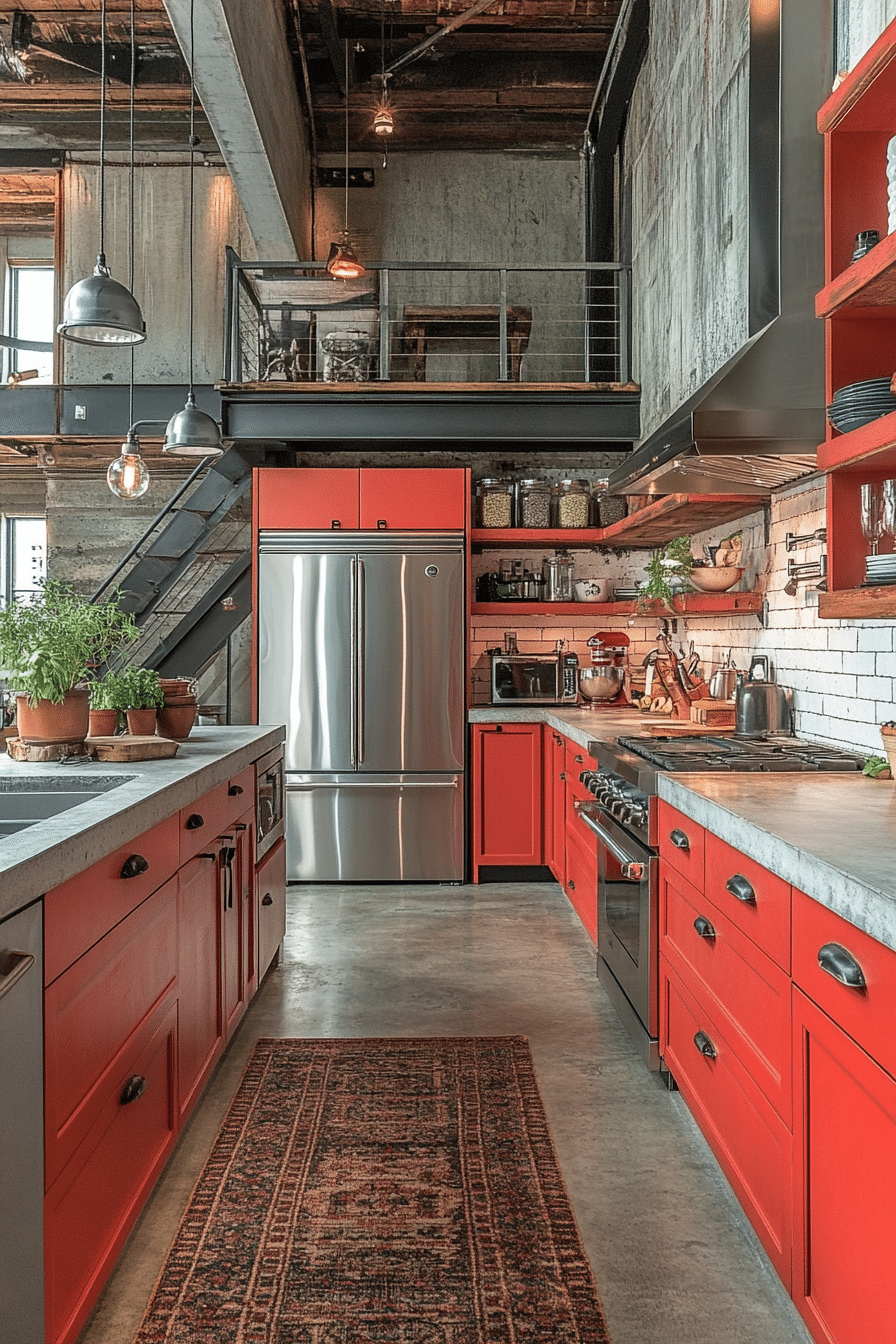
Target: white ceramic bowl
x=715, y=578
x=593, y=590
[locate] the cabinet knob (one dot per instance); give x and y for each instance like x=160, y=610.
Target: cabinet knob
x=194, y=822
x=580, y=760
x=235, y=790
x=381, y=523
x=133, y=1088
x=704, y=928
x=267, y=899
x=842, y=965
x=134, y=865
x=679, y=839
x=562, y=774
x=740, y=889
x=705, y=1045
x=335, y=524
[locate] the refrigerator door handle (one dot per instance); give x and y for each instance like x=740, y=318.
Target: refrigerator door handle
x=378, y=784
x=362, y=616
x=354, y=662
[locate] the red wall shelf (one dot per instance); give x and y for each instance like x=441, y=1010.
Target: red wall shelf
x=693, y=604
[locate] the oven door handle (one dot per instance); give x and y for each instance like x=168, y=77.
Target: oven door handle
x=615, y=849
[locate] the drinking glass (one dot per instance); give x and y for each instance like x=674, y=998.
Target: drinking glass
x=872, y=515
x=888, y=508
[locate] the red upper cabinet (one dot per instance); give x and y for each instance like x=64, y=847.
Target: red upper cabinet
x=315, y=499
x=323, y=499
x=429, y=499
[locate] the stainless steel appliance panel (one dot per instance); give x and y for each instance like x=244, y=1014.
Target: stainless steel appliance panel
x=269, y=790
x=21, y=1128
x=410, y=660
x=306, y=644
x=387, y=828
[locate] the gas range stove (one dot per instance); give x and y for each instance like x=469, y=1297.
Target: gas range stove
x=625, y=787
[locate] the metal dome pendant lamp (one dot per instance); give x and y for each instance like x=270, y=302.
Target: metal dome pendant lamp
x=343, y=263
x=99, y=310
x=191, y=432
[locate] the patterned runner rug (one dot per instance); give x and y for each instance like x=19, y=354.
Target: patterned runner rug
x=380, y=1192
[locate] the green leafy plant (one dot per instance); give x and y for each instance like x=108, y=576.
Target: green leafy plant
x=56, y=641
x=131, y=688
x=875, y=766
x=668, y=573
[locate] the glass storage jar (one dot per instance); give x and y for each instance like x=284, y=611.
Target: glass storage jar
x=533, y=503
x=606, y=509
x=571, y=504
x=494, y=502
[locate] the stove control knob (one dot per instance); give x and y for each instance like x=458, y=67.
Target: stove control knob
x=638, y=814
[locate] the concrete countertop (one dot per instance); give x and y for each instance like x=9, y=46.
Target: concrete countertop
x=832, y=836
x=41, y=856
x=580, y=725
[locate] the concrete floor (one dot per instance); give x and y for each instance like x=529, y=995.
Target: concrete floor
x=674, y=1259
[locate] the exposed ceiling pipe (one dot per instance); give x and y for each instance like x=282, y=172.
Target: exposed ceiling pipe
x=433, y=38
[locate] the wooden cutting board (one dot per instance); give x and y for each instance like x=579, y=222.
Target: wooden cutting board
x=129, y=748
x=679, y=729
x=35, y=753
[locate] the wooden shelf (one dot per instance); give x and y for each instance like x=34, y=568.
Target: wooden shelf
x=693, y=604
x=647, y=529
x=863, y=97
x=858, y=604
x=872, y=445
x=869, y=282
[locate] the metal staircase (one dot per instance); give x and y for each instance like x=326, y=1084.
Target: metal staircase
x=188, y=578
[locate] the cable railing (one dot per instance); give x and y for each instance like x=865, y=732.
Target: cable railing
x=428, y=323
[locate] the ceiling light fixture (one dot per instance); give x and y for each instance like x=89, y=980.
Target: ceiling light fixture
x=128, y=476
x=99, y=310
x=343, y=263
x=191, y=432
x=383, y=121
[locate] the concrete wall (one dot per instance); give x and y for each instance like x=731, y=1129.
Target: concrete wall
x=473, y=208
x=861, y=22
x=687, y=150
x=161, y=266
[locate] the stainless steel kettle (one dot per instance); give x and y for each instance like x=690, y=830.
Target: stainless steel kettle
x=760, y=704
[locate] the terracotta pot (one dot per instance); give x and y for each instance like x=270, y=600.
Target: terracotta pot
x=178, y=686
x=66, y=723
x=141, y=722
x=179, y=699
x=103, y=722
x=176, y=721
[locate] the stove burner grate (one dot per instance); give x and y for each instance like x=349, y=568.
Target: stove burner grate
x=774, y=753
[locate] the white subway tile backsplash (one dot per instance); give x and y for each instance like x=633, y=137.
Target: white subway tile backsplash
x=874, y=688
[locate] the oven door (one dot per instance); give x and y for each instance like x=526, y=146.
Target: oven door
x=627, y=928
x=269, y=801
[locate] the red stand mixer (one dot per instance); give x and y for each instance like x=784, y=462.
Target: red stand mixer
x=603, y=684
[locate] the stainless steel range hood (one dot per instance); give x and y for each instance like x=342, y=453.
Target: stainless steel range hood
x=756, y=424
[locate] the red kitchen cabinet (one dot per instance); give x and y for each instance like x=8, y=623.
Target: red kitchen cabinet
x=556, y=822
x=506, y=795
x=845, y=1183
x=429, y=499
x=322, y=499
x=239, y=963
x=314, y=499
x=270, y=892
x=199, y=975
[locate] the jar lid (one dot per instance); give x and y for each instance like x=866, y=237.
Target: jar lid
x=494, y=480
x=568, y=484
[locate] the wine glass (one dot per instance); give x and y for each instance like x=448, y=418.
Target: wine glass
x=872, y=515
x=888, y=507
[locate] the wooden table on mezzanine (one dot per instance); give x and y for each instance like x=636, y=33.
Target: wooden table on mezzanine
x=424, y=323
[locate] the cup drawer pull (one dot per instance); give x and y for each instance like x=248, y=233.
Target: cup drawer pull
x=740, y=889
x=704, y=928
x=842, y=965
x=134, y=865
x=679, y=839
x=133, y=1089
x=705, y=1045
x=194, y=822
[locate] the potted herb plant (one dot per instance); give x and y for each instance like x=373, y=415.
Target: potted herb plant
x=135, y=692
x=50, y=648
x=668, y=573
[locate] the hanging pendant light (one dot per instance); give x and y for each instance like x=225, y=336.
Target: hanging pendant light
x=383, y=121
x=128, y=475
x=99, y=310
x=191, y=432
x=343, y=263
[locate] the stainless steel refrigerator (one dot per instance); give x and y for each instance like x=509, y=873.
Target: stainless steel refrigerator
x=361, y=655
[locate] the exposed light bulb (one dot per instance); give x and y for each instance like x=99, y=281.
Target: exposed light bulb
x=383, y=121
x=128, y=475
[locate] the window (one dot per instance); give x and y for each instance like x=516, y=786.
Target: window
x=30, y=316
x=23, y=557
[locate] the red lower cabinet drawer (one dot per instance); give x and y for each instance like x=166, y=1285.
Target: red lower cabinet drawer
x=757, y=901
x=752, y=1143
x=270, y=886
x=94, y=1203
x=581, y=879
x=711, y=954
x=681, y=842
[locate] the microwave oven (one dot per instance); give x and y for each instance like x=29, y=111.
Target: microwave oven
x=525, y=678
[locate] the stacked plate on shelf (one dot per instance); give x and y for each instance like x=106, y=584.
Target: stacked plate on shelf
x=626, y=594
x=880, y=569
x=860, y=403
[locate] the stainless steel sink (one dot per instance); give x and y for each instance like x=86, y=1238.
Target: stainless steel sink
x=26, y=802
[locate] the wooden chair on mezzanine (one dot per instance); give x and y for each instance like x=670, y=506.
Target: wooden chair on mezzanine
x=425, y=324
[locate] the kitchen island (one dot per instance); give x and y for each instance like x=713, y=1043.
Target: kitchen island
x=152, y=918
